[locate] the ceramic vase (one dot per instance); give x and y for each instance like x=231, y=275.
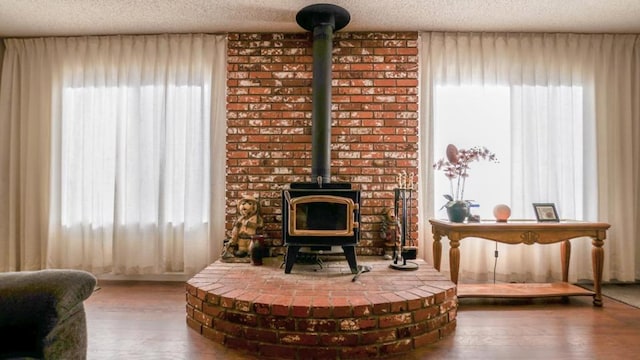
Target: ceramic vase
x=458, y=211
x=256, y=249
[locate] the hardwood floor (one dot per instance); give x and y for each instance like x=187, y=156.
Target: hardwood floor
x=146, y=320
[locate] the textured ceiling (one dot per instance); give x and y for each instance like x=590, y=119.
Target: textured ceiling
x=22, y=18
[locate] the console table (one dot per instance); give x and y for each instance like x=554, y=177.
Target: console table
x=523, y=232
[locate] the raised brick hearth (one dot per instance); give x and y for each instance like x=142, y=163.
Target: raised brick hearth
x=320, y=313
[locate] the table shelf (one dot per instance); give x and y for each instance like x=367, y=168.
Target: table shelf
x=521, y=290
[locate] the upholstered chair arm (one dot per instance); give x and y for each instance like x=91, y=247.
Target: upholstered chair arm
x=42, y=313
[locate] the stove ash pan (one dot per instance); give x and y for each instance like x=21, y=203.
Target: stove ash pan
x=314, y=216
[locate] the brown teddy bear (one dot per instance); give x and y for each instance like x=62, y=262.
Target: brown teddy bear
x=388, y=231
x=249, y=223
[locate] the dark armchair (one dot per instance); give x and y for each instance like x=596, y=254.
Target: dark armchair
x=42, y=314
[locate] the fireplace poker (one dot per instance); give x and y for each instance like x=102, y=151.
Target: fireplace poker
x=361, y=269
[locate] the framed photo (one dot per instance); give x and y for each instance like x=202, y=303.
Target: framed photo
x=546, y=212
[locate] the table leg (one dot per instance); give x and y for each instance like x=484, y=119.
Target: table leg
x=597, y=257
x=565, y=256
x=437, y=250
x=454, y=260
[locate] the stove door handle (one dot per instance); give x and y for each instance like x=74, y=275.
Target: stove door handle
x=354, y=224
x=287, y=197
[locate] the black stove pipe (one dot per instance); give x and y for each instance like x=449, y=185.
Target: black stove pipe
x=323, y=20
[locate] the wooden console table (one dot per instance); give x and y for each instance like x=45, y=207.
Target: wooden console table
x=523, y=232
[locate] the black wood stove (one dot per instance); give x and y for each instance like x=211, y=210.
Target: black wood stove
x=320, y=213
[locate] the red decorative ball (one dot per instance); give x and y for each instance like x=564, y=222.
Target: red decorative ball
x=501, y=212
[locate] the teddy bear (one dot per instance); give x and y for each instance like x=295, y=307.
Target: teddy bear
x=388, y=231
x=248, y=224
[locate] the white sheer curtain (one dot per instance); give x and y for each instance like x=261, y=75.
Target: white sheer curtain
x=573, y=130
x=130, y=165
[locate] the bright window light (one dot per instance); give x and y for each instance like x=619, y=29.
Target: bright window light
x=468, y=116
x=140, y=162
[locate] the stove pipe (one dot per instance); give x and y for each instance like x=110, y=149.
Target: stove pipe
x=322, y=20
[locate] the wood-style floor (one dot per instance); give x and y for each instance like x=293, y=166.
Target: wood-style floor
x=146, y=320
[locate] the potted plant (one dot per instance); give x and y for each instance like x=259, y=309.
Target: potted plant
x=456, y=168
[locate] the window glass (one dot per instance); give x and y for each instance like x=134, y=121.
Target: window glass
x=469, y=116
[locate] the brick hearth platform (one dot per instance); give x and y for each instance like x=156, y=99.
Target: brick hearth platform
x=319, y=312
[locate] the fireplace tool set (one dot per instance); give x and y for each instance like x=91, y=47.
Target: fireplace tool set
x=404, y=248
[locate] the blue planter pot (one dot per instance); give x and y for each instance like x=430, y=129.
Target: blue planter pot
x=458, y=211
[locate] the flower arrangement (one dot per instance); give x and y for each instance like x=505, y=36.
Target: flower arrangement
x=456, y=168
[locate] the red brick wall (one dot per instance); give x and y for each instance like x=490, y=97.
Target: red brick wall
x=374, y=120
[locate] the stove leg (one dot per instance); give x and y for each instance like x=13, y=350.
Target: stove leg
x=350, y=253
x=290, y=257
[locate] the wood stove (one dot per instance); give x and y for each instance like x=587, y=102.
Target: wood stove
x=318, y=217
x=321, y=213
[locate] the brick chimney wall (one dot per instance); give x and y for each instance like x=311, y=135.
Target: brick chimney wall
x=374, y=121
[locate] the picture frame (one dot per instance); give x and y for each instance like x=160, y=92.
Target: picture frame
x=546, y=212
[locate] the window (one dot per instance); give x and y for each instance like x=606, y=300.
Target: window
x=468, y=116
x=536, y=133
x=136, y=162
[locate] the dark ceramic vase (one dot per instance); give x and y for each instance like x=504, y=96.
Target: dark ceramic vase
x=256, y=249
x=409, y=253
x=458, y=211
